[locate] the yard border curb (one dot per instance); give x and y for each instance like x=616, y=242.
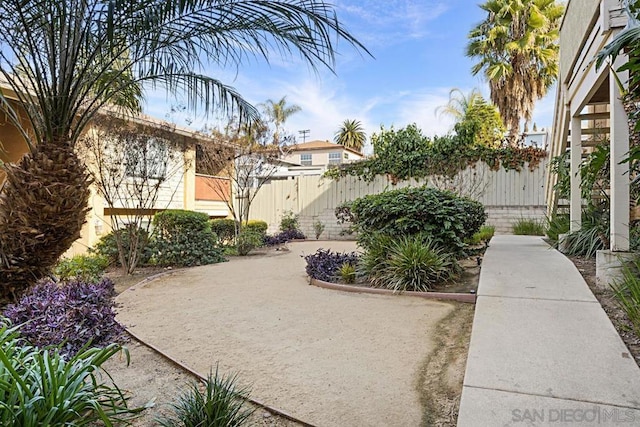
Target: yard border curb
x=194, y=373
x=444, y=296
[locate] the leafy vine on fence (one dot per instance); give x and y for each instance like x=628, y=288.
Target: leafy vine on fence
x=406, y=153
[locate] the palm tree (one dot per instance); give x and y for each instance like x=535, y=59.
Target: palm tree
x=476, y=120
x=351, y=135
x=66, y=59
x=459, y=103
x=517, y=50
x=278, y=113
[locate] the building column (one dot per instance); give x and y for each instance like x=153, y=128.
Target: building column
x=575, y=210
x=620, y=181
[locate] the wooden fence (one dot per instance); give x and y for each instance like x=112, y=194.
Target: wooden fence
x=507, y=196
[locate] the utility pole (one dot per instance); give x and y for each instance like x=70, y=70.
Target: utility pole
x=304, y=134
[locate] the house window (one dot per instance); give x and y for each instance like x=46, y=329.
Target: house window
x=345, y=156
x=305, y=159
x=335, y=158
x=147, y=159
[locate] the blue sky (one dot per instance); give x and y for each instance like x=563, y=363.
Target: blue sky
x=418, y=48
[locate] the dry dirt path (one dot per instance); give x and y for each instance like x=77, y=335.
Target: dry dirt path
x=327, y=357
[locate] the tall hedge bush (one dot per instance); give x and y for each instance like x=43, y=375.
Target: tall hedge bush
x=184, y=238
x=449, y=219
x=225, y=229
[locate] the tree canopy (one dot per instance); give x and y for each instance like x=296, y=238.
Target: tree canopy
x=516, y=47
x=351, y=135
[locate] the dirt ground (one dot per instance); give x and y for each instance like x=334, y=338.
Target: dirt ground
x=327, y=357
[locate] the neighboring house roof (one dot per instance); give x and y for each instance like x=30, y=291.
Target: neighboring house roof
x=322, y=145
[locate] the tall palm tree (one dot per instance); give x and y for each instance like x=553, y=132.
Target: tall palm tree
x=351, y=135
x=278, y=113
x=517, y=50
x=459, y=103
x=66, y=59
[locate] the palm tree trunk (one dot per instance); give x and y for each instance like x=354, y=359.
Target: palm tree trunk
x=43, y=205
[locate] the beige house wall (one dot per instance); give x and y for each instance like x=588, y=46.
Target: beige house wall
x=321, y=157
x=576, y=24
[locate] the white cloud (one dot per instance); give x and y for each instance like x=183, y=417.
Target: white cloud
x=421, y=106
x=384, y=22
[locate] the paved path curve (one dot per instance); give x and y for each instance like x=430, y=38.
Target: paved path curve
x=327, y=357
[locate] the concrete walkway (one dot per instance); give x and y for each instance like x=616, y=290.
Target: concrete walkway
x=543, y=352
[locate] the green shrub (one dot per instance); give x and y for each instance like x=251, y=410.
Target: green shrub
x=40, y=387
x=627, y=292
x=528, y=227
x=184, y=238
x=225, y=229
x=247, y=241
x=108, y=247
x=557, y=224
x=289, y=221
x=221, y=404
x=84, y=268
x=449, y=219
x=257, y=226
x=485, y=234
x=347, y=273
x=413, y=263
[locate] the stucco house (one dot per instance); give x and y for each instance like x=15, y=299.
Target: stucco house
x=321, y=153
x=184, y=189
x=588, y=102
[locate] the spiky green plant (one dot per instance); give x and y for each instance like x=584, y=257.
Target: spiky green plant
x=39, y=387
x=557, y=224
x=347, y=273
x=413, y=263
x=627, y=292
x=220, y=404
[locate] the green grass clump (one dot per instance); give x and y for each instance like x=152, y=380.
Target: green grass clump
x=483, y=235
x=413, y=264
x=528, y=227
x=627, y=292
x=219, y=404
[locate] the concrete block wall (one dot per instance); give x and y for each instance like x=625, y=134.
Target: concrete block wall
x=332, y=230
x=503, y=217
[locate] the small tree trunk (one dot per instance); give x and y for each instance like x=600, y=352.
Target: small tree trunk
x=43, y=206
